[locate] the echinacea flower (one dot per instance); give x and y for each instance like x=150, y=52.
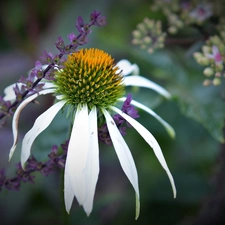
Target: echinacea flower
x=92, y=84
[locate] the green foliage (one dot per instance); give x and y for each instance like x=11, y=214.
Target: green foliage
x=183, y=79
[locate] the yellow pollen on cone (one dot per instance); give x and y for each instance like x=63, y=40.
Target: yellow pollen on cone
x=91, y=77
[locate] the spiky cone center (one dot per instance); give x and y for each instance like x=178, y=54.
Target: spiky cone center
x=90, y=77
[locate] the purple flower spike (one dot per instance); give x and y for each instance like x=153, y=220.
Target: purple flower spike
x=30, y=86
x=45, y=168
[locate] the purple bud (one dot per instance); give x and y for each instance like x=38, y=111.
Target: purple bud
x=101, y=21
x=4, y=105
x=65, y=146
x=47, y=57
x=128, y=108
x=54, y=149
x=97, y=19
x=94, y=15
x=38, y=65
x=61, y=163
x=72, y=37
x=80, y=24
x=123, y=130
x=82, y=39
x=60, y=44
x=13, y=184
x=103, y=135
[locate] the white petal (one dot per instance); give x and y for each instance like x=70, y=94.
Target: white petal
x=68, y=190
x=149, y=138
x=59, y=97
x=144, y=82
x=92, y=166
x=124, y=155
x=10, y=93
x=40, y=124
x=169, y=129
x=77, y=154
x=48, y=85
x=127, y=67
x=17, y=115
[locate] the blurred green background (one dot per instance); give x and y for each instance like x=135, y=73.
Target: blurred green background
x=195, y=157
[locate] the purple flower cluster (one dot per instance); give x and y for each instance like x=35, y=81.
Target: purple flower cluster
x=32, y=82
x=121, y=123
x=4, y=109
x=25, y=175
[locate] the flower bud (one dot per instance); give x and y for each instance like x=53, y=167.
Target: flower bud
x=208, y=71
x=216, y=81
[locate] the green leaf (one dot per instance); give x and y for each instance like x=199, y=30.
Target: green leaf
x=184, y=78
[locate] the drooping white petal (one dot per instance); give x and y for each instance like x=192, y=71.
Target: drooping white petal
x=144, y=82
x=127, y=67
x=124, y=155
x=169, y=129
x=149, y=138
x=40, y=124
x=77, y=154
x=68, y=190
x=48, y=85
x=17, y=115
x=92, y=165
